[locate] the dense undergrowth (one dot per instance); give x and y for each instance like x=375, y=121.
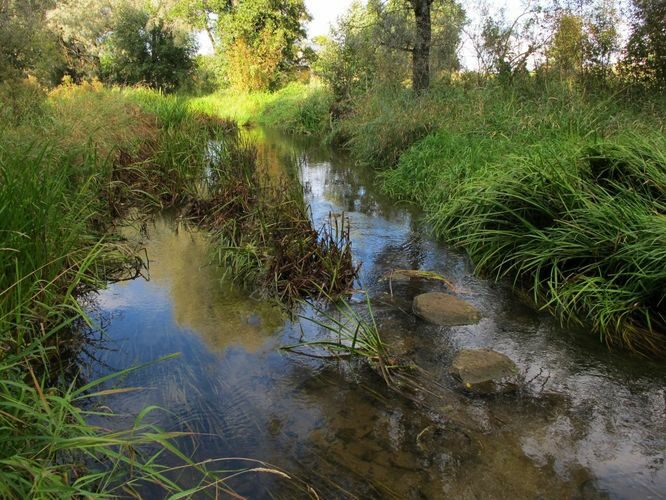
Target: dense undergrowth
x=72, y=164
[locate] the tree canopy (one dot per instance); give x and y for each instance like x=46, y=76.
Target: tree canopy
x=262, y=41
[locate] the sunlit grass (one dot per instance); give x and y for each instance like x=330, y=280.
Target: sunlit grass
x=297, y=109
x=561, y=195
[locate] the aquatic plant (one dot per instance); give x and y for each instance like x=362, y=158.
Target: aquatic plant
x=262, y=233
x=355, y=334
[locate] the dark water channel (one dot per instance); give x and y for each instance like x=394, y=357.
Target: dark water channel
x=591, y=424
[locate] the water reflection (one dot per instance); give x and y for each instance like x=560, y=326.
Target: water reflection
x=186, y=287
x=590, y=426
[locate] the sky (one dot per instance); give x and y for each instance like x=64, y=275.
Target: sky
x=324, y=13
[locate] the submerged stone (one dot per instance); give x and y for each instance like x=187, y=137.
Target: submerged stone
x=484, y=371
x=445, y=309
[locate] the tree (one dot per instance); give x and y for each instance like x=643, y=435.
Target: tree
x=422, y=44
x=81, y=26
x=374, y=43
x=27, y=47
x=262, y=40
x=603, y=36
x=505, y=47
x=421, y=28
x=646, y=51
x=568, y=47
x=203, y=15
x=143, y=49
x=348, y=60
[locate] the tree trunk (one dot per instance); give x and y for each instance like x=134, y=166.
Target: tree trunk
x=422, y=43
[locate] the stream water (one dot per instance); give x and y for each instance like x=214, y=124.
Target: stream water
x=591, y=424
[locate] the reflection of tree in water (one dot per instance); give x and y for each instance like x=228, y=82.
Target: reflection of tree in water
x=180, y=261
x=353, y=189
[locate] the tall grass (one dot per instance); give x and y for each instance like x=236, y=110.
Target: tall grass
x=297, y=108
x=67, y=170
x=559, y=191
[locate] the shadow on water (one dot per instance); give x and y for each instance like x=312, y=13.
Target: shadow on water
x=592, y=427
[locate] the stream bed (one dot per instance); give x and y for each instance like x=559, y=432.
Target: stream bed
x=589, y=424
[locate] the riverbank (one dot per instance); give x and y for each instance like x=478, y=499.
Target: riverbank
x=72, y=162
x=75, y=164
x=561, y=192
x=558, y=188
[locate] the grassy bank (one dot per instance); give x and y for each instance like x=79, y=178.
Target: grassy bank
x=560, y=191
x=297, y=108
x=71, y=163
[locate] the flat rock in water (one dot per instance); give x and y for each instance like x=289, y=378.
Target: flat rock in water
x=444, y=309
x=484, y=371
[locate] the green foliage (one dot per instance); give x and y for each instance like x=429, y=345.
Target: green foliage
x=261, y=41
x=27, y=47
x=144, y=50
x=646, y=50
x=372, y=44
x=568, y=46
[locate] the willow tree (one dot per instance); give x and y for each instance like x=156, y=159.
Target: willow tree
x=262, y=41
x=421, y=29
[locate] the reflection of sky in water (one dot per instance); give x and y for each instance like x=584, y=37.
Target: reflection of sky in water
x=601, y=428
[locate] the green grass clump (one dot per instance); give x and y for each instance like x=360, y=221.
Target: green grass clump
x=560, y=192
x=296, y=109
x=385, y=123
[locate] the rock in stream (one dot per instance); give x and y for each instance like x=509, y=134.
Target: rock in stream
x=445, y=309
x=484, y=371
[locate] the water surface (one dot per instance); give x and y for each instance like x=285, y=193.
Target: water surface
x=590, y=425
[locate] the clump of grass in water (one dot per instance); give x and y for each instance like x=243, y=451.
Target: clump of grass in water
x=355, y=335
x=263, y=235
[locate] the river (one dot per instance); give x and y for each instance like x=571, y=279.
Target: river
x=590, y=424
